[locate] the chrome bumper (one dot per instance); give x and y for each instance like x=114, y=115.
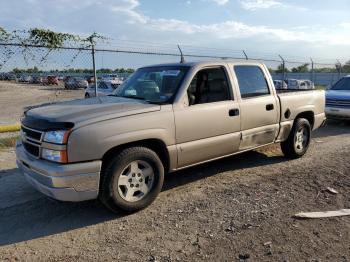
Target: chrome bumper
x=338, y=113
x=70, y=182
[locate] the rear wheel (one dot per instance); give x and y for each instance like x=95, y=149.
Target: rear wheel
x=132, y=180
x=298, y=140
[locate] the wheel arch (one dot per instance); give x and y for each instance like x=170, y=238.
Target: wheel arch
x=308, y=115
x=157, y=145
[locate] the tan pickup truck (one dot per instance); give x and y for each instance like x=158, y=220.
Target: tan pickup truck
x=163, y=118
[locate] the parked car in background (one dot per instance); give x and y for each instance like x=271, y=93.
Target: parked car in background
x=111, y=77
x=279, y=84
x=2, y=76
x=50, y=80
x=104, y=88
x=90, y=79
x=11, y=77
x=37, y=80
x=162, y=119
x=25, y=79
x=300, y=84
x=338, y=99
x=75, y=82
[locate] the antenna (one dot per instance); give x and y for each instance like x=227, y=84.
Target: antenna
x=182, y=56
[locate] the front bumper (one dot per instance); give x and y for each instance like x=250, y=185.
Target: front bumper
x=337, y=112
x=69, y=182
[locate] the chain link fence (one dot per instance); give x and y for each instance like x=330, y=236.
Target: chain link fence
x=73, y=67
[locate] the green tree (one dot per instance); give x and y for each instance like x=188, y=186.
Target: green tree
x=280, y=69
x=346, y=67
x=301, y=69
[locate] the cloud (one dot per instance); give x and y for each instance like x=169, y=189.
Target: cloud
x=253, y=5
x=221, y=2
x=345, y=25
x=238, y=30
x=126, y=19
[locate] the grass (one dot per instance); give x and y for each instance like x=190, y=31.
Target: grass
x=8, y=142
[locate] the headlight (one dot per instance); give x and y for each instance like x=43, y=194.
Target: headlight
x=54, y=155
x=57, y=137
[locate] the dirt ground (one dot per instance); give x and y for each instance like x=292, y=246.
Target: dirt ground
x=15, y=96
x=239, y=208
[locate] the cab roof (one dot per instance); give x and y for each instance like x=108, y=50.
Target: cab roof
x=209, y=63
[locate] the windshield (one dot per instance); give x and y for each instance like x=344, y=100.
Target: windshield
x=153, y=84
x=342, y=84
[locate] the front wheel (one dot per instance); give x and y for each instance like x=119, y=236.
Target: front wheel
x=131, y=180
x=298, y=140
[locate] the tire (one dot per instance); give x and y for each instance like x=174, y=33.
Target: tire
x=87, y=95
x=131, y=180
x=298, y=140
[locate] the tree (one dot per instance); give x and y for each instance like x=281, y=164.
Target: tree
x=301, y=69
x=280, y=69
x=346, y=67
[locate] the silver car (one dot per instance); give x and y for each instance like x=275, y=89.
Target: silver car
x=104, y=88
x=75, y=82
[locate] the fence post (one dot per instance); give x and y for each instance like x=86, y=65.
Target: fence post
x=245, y=54
x=312, y=70
x=283, y=68
x=94, y=66
x=338, y=67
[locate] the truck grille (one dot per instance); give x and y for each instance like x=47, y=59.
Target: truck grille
x=337, y=103
x=31, y=140
x=32, y=149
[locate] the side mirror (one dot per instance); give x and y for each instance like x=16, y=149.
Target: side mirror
x=191, y=99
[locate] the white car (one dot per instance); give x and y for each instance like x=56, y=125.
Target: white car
x=104, y=88
x=278, y=84
x=300, y=84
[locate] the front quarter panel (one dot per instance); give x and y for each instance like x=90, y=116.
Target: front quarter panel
x=92, y=141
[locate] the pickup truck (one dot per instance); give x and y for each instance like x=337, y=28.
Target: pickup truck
x=162, y=119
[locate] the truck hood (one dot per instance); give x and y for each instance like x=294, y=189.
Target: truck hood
x=338, y=95
x=91, y=110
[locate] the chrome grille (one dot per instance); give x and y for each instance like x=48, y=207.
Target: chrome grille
x=337, y=103
x=31, y=140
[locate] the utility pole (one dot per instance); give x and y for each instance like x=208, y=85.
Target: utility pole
x=312, y=70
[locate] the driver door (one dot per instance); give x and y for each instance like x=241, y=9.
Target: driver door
x=209, y=128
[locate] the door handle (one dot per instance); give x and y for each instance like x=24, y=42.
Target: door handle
x=233, y=112
x=269, y=107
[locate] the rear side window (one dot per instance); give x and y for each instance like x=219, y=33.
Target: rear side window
x=251, y=81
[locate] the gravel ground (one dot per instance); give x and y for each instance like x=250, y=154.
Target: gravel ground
x=15, y=96
x=239, y=208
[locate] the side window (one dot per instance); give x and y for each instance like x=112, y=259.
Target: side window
x=208, y=86
x=251, y=81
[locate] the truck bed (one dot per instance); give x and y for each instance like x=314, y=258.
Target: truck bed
x=294, y=102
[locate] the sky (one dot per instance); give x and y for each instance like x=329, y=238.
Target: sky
x=293, y=28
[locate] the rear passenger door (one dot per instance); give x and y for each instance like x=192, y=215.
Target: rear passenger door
x=259, y=107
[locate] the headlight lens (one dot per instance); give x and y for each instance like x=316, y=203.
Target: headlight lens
x=57, y=137
x=54, y=155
